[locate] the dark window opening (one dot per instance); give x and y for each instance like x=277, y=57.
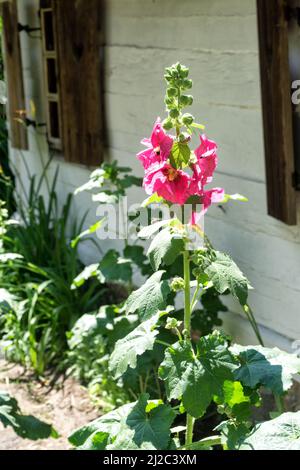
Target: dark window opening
x=54, y=119
x=48, y=30
x=51, y=76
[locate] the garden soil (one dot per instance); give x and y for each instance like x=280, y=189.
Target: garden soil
x=61, y=402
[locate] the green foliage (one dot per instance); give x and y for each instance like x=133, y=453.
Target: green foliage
x=150, y=298
x=196, y=365
x=37, y=266
x=110, y=181
x=271, y=368
x=197, y=376
x=165, y=248
x=141, y=425
x=232, y=434
x=225, y=275
x=127, y=349
x=180, y=155
x=90, y=342
x=27, y=427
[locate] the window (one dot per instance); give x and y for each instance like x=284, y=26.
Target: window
x=50, y=66
x=277, y=109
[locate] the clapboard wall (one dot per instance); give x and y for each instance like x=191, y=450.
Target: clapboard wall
x=217, y=39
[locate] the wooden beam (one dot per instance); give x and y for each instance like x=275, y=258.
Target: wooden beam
x=277, y=109
x=14, y=74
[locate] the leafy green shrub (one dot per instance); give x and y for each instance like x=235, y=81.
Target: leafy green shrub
x=37, y=267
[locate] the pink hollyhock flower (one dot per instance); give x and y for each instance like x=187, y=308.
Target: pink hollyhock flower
x=209, y=197
x=167, y=182
x=159, y=146
x=207, y=160
x=212, y=196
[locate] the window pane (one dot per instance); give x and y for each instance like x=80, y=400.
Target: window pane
x=51, y=75
x=54, y=119
x=48, y=31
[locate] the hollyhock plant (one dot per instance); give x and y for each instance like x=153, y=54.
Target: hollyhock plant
x=196, y=370
x=158, y=147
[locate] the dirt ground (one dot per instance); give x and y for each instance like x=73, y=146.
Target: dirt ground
x=66, y=405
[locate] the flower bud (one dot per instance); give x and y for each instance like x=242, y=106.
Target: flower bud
x=169, y=102
x=184, y=137
x=177, y=284
x=171, y=92
x=171, y=323
x=167, y=124
x=186, y=100
x=187, y=119
x=184, y=71
x=187, y=84
x=174, y=113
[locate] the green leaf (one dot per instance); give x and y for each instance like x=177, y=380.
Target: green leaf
x=197, y=377
x=5, y=257
x=132, y=426
x=234, y=197
x=225, y=275
x=27, y=427
x=234, y=393
x=164, y=248
x=147, y=232
x=96, y=181
x=282, y=433
x=232, y=434
x=149, y=430
x=198, y=126
x=100, y=323
x=115, y=268
x=89, y=271
x=271, y=368
x=130, y=180
x=235, y=402
x=153, y=199
x=90, y=230
x=109, y=423
x=32, y=428
x=180, y=155
x=150, y=298
x=127, y=349
x=105, y=198
x=136, y=254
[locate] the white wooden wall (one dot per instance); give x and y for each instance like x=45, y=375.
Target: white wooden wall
x=217, y=39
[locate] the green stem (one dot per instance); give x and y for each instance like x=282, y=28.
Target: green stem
x=187, y=326
x=279, y=403
x=249, y=313
x=190, y=421
x=187, y=292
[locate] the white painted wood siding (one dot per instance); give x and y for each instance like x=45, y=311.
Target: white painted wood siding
x=217, y=39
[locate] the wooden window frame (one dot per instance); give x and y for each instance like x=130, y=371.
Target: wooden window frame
x=277, y=109
x=55, y=143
